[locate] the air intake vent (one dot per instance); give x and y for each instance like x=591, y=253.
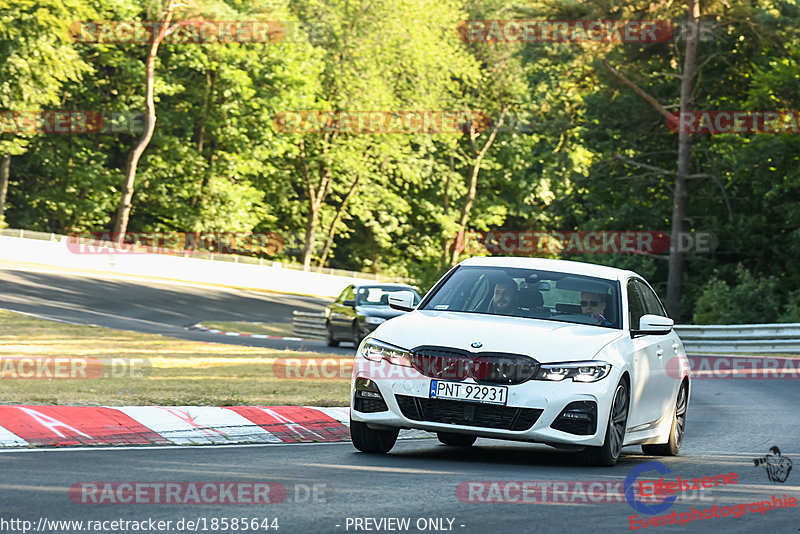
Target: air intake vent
x=467, y=413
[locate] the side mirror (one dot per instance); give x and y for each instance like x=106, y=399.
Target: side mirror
x=654, y=324
x=349, y=303
x=401, y=300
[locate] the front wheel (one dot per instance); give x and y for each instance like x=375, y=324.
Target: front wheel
x=608, y=454
x=366, y=439
x=332, y=341
x=456, y=440
x=673, y=445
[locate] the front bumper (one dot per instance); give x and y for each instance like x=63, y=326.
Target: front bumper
x=403, y=385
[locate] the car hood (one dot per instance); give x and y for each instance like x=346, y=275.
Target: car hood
x=546, y=341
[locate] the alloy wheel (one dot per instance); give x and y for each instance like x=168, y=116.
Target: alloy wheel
x=680, y=416
x=619, y=418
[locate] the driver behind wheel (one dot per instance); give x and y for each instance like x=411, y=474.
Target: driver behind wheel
x=504, y=299
x=594, y=305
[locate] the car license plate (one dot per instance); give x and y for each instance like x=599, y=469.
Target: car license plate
x=468, y=392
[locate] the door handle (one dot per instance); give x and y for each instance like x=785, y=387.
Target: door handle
x=660, y=353
x=675, y=346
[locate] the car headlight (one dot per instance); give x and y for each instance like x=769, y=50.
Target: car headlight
x=375, y=351
x=375, y=320
x=577, y=371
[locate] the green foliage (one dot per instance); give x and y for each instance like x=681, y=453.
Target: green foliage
x=791, y=310
x=36, y=57
x=714, y=305
x=748, y=300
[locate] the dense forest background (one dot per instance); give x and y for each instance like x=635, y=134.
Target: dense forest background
x=570, y=146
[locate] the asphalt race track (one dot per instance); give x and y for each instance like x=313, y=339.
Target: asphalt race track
x=153, y=307
x=730, y=423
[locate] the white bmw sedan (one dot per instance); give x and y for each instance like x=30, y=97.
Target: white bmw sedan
x=574, y=355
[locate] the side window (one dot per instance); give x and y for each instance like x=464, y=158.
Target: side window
x=651, y=303
x=635, y=307
x=350, y=293
x=341, y=297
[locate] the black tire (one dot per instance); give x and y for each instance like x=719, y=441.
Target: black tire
x=357, y=335
x=366, y=439
x=676, y=431
x=332, y=341
x=608, y=454
x=456, y=440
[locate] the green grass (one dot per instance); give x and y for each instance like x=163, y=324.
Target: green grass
x=180, y=372
x=269, y=329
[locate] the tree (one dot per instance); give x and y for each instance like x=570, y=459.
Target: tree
x=36, y=58
x=372, y=62
x=680, y=194
x=124, y=207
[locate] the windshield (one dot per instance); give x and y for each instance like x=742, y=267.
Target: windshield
x=530, y=293
x=379, y=295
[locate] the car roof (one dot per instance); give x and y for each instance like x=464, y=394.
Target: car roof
x=381, y=284
x=564, y=266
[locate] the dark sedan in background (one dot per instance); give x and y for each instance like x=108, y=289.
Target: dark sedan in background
x=360, y=309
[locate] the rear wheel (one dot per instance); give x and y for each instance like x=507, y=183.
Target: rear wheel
x=673, y=446
x=456, y=440
x=332, y=341
x=366, y=439
x=608, y=454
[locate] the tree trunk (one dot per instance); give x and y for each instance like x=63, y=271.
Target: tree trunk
x=473, y=183
x=443, y=261
x=332, y=231
x=5, y=165
x=680, y=192
x=200, y=137
x=316, y=195
x=311, y=232
x=679, y=197
x=124, y=207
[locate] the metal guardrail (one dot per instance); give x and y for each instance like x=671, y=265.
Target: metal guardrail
x=729, y=339
x=29, y=234
x=782, y=338
x=309, y=325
